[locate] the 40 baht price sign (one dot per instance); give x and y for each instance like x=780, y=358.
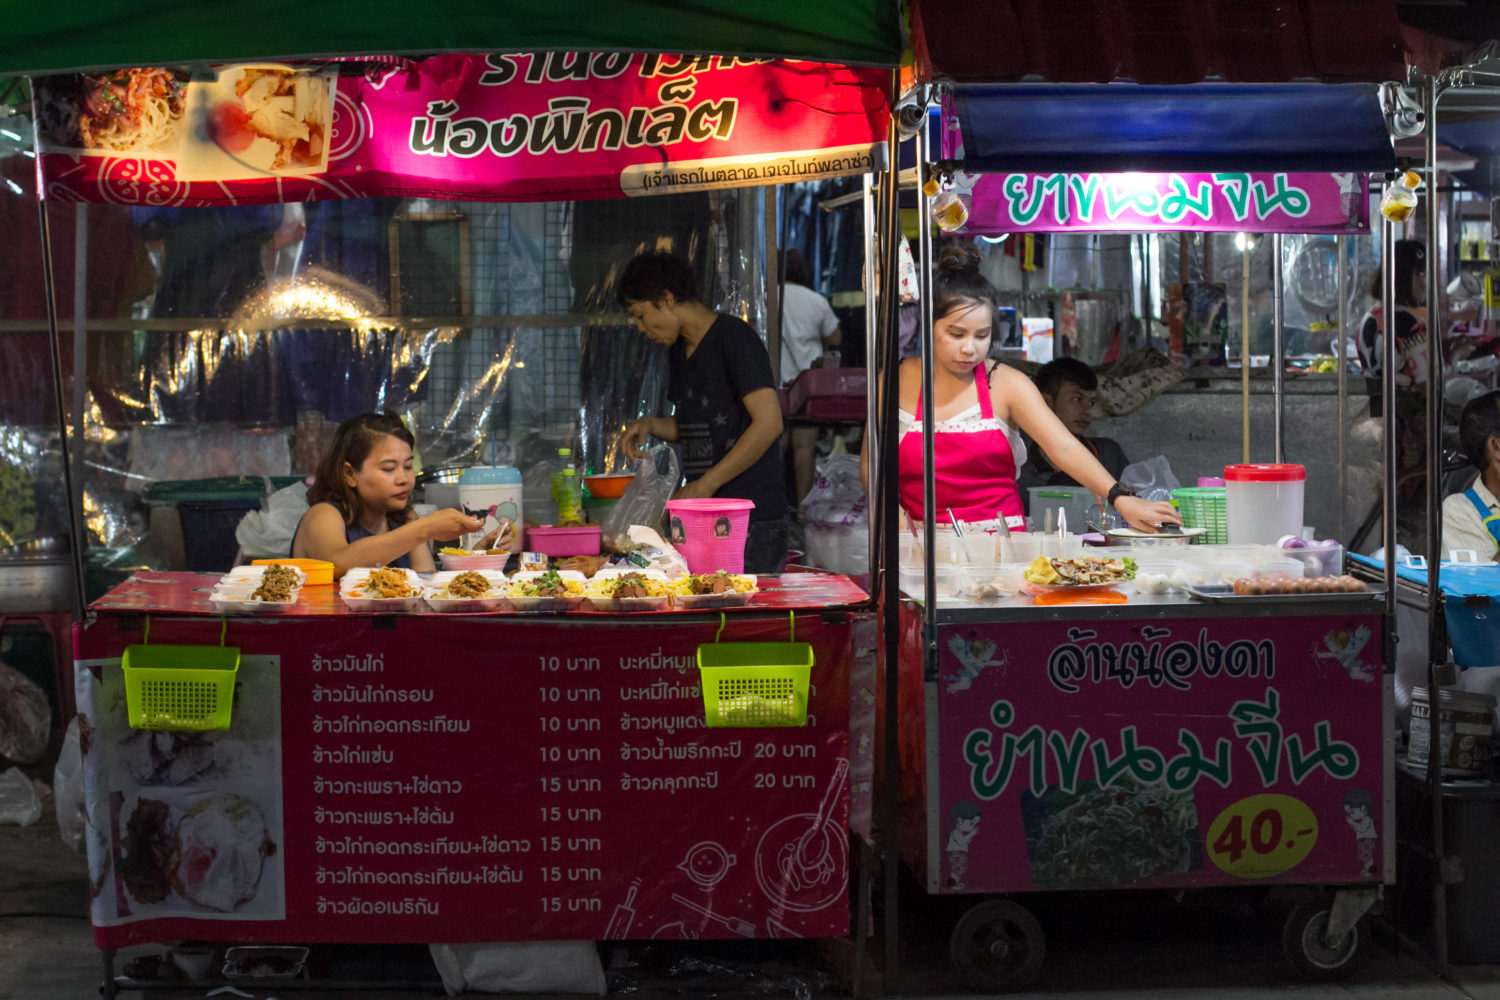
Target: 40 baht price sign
x=1168, y=753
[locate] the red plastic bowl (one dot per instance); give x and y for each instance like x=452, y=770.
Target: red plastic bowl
x=609, y=487
x=575, y=540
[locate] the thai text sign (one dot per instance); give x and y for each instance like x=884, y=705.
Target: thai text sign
x=1173, y=753
x=515, y=127
x=1221, y=202
x=453, y=778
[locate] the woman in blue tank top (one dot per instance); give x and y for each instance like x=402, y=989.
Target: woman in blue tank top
x=359, y=505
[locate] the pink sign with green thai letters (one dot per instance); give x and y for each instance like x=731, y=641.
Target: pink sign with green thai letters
x=513, y=127
x=1157, y=753
x=1133, y=203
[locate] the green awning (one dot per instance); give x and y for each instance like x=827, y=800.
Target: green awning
x=105, y=34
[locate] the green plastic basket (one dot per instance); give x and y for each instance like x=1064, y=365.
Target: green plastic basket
x=1203, y=507
x=754, y=684
x=180, y=687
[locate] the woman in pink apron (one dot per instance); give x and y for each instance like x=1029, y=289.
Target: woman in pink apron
x=977, y=406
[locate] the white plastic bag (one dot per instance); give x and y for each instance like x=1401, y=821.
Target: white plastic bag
x=651, y=551
x=67, y=789
x=268, y=532
x=520, y=967
x=1151, y=479
x=837, y=533
x=19, y=804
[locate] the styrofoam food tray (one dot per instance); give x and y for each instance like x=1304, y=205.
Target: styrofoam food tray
x=236, y=600
x=497, y=601
x=242, y=576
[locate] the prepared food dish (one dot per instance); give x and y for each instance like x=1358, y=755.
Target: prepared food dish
x=1246, y=587
x=123, y=111
x=449, y=550
x=699, y=584
x=278, y=118
x=278, y=583
x=385, y=583
x=1079, y=571
x=466, y=586
x=587, y=565
x=628, y=585
x=547, y=584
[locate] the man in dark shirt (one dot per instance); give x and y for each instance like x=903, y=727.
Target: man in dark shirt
x=728, y=419
x=1068, y=385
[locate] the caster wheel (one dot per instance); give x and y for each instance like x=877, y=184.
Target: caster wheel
x=997, y=946
x=1304, y=947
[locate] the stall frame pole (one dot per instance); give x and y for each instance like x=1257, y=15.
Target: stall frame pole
x=1437, y=644
x=1278, y=347
x=924, y=339
x=884, y=483
x=1341, y=366
x=73, y=489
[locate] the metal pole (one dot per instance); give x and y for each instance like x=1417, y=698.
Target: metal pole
x=1340, y=366
x=1437, y=645
x=774, y=233
x=1245, y=351
x=1278, y=360
x=80, y=342
x=886, y=512
x=924, y=334
x=873, y=244
x=1388, y=414
x=75, y=498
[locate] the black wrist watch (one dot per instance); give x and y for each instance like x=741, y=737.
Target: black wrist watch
x=1117, y=491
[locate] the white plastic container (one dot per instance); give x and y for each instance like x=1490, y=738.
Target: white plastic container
x=1262, y=503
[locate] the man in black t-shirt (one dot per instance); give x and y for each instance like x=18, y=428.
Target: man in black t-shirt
x=728, y=419
x=1068, y=385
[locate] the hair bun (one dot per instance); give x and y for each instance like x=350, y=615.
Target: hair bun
x=959, y=257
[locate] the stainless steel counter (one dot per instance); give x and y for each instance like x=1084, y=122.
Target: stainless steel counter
x=1148, y=607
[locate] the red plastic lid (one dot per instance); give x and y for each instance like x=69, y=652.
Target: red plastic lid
x=1265, y=473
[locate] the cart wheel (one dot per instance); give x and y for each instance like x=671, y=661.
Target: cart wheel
x=1303, y=946
x=997, y=945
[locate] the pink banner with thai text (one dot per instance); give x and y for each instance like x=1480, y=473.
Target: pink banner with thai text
x=515, y=127
x=1130, y=202
x=1163, y=753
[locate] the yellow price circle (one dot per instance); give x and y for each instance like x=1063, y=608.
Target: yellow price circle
x=1262, y=836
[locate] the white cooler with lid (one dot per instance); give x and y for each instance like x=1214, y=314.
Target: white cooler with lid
x=1263, y=502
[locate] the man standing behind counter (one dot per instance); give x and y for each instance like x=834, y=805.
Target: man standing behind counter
x=1068, y=385
x=728, y=419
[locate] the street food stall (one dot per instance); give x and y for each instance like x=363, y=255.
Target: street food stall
x=385, y=773
x=1163, y=715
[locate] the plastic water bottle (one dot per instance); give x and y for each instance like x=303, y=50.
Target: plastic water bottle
x=570, y=496
x=564, y=459
x=1400, y=197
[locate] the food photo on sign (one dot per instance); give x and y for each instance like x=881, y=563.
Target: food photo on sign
x=185, y=823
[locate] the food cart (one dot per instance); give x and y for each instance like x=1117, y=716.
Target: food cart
x=1162, y=741
x=395, y=777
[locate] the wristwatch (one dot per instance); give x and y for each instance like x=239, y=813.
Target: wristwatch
x=1117, y=491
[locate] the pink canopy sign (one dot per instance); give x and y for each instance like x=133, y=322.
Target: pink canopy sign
x=518, y=127
x=1219, y=202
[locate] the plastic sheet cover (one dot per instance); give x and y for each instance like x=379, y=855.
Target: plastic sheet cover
x=485, y=326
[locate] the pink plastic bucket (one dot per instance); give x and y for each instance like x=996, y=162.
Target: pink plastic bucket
x=710, y=533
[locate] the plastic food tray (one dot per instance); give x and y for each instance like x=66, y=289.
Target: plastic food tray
x=700, y=602
x=496, y=601
x=1223, y=593
x=237, y=601
x=627, y=604
x=250, y=576
x=356, y=579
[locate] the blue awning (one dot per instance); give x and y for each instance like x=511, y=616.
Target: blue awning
x=1083, y=128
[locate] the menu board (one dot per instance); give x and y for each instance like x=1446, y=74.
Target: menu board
x=465, y=779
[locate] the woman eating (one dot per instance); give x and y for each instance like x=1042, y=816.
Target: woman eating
x=978, y=405
x=359, y=505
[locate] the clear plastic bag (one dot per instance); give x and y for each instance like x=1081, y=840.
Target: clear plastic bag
x=1151, y=479
x=520, y=967
x=67, y=789
x=644, y=500
x=19, y=803
x=837, y=535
